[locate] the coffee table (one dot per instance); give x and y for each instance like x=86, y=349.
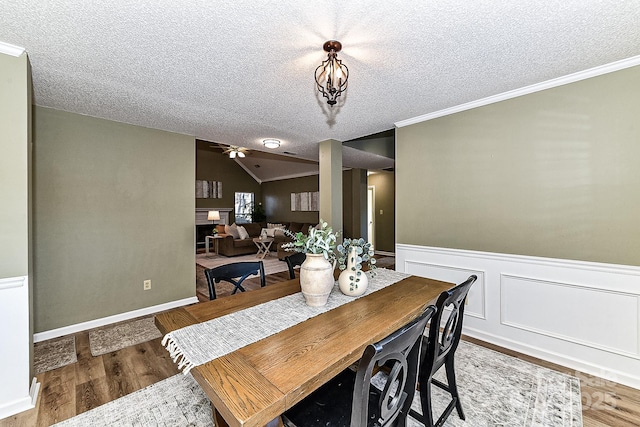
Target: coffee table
x=263, y=244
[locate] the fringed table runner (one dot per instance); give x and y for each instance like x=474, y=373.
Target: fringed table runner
x=200, y=343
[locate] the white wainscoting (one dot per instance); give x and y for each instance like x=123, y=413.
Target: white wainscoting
x=15, y=393
x=582, y=315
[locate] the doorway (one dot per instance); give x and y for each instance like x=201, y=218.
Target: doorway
x=371, y=217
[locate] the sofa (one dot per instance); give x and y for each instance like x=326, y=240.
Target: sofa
x=231, y=246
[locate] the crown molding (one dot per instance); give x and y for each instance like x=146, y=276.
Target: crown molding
x=560, y=81
x=11, y=49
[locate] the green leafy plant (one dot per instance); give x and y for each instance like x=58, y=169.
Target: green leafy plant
x=257, y=213
x=363, y=253
x=320, y=240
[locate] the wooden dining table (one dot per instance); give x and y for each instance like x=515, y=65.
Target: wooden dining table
x=255, y=384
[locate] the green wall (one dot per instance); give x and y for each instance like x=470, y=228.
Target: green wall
x=214, y=166
x=384, y=183
x=276, y=199
x=15, y=162
x=551, y=174
x=113, y=206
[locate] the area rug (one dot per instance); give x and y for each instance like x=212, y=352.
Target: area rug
x=500, y=390
x=55, y=353
x=496, y=390
x=175, y=401
x=386, y=262
x=271, y=263
x=118, y=336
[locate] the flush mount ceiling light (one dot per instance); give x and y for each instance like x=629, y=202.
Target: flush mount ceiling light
x=332, y=74
x=271, y=143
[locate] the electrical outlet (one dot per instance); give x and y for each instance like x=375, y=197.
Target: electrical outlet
x=147, y=285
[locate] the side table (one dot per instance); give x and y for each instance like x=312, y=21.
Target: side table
x=263, y=246
x=207, y=240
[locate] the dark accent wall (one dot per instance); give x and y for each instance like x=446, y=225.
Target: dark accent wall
x=354, y=203
x=213, y=166
x=276, y=199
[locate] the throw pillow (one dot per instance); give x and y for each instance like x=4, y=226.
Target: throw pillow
x=232, y=230
x=242, y=232
x=271, y=225
x=270, y=232
x=278, y=232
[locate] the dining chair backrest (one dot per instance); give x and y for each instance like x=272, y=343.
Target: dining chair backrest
x=353, y=399
x=438, y=349
x=293, y=261
x=399, y=353
x=445, y=339
x=234, y=273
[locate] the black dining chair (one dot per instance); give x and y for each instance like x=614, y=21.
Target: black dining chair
x=293, y=261
x=438, y=348
x=234, y=273
x=350, y=399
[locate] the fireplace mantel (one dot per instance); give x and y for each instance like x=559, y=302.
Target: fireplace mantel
x=202, y=213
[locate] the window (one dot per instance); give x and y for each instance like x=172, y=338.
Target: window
x=243, y=207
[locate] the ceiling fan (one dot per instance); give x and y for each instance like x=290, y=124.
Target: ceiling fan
x=234, y=151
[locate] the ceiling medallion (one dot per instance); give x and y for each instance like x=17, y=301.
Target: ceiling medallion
x=331, y=76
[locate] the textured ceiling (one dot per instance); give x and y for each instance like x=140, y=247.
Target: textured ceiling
x=238, y=72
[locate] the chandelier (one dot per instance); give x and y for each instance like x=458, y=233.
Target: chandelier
x=332, y=74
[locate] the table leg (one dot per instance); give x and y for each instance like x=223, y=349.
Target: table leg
x=206, y=246
x=276, y=422
x=218, y=421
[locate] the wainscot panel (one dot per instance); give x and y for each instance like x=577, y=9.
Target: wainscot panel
x=582, y=315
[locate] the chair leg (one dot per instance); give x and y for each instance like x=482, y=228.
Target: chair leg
x=425, y=401
x=212, y=291
x=453, y=386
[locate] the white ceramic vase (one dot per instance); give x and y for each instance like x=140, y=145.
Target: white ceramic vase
x=316, y=279
x=353, y=281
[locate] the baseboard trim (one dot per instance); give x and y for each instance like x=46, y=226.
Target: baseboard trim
x=16, y=406
x=385, y=253
x=34, y=390
x=78, y=327
x=606, y=373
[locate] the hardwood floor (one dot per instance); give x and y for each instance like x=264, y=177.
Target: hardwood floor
x=93, y=381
